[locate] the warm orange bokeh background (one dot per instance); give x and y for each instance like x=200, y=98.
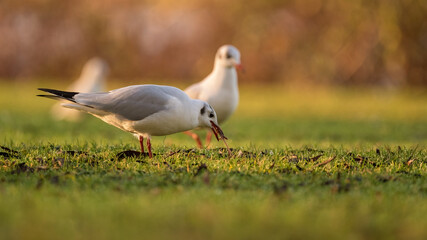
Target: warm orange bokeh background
x=381, y=42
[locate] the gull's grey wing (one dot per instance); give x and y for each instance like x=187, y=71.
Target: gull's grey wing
x=133, y=102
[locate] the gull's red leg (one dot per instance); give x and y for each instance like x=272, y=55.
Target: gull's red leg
x=141, y=142
x=208, y=138
x=149, y=148
x=195, y=137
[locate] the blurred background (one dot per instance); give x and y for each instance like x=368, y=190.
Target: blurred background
x=331, y=42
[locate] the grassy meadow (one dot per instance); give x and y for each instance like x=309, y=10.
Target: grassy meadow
x=307, y=163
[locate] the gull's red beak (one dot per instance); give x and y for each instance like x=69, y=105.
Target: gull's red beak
x=240, y=67
x=218, y=131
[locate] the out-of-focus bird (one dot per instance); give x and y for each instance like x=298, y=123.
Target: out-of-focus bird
x=92, y=79
x=144, y=110
x=219, y=88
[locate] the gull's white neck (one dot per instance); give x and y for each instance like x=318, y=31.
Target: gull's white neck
x=193, y=113
x=222, y=77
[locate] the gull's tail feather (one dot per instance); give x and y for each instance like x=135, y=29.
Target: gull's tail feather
x=57, y=94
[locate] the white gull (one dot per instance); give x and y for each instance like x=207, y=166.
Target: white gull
x=144, y=110
x=219, y=88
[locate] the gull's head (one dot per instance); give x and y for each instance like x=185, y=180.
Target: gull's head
x=206, y=115
x=92, y=78
x=228, y=56
x=208, y=119
x=95, y=66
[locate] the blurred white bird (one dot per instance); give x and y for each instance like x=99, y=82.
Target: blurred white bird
x=145, y=110
x=92, y=79
x=219, y=88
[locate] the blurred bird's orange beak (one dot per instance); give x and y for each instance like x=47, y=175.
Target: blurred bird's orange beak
x=240, y=67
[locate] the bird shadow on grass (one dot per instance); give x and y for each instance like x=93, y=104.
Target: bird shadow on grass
x=7, y=152
x=132, y=154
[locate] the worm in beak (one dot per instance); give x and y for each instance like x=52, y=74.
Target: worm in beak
x=218, y=131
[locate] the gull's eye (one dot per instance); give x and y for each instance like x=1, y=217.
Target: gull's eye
x=211, y=115
x=228, y=56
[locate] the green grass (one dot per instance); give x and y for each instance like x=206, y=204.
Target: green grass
x=323, y=163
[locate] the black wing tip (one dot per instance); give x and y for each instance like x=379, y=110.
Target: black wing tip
x=54, y=97
x=49, y=90
x=45, y=95
x=59, y=93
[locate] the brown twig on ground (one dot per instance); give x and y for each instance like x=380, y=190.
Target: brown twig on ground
x=324, y=163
